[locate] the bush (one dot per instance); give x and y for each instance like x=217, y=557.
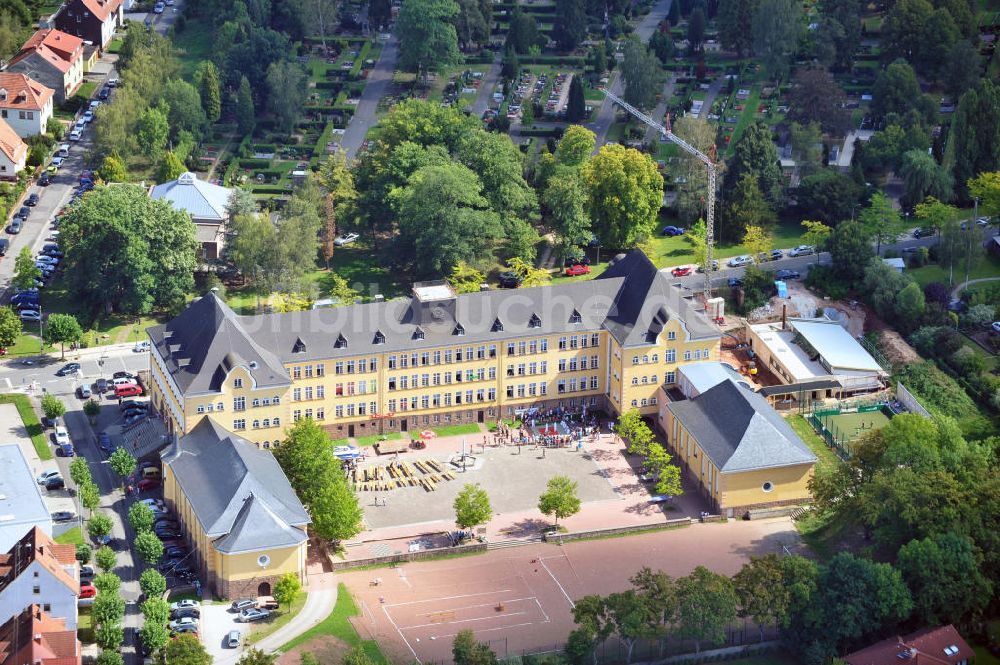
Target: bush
x=941, y=394
x=826, y=281
x=83, y=552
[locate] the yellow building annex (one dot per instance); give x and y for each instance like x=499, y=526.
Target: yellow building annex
x=242, y=519
x=739, y=451
x=434, y=359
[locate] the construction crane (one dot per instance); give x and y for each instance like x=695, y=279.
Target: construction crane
x=709, y=167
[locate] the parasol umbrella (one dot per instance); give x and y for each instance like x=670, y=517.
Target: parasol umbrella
x=427, y=434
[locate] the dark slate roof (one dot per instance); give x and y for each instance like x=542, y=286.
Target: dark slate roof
x=631, y=299
x=218, y=471
x=647, y=299
x=739, y=430
x=202, y=343
x=257, y=527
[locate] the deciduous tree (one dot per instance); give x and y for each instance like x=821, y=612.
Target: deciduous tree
x=706, y=605
x=815, y=234
x=850, y=250
x=427, y=37
x=880, y=220
x=286, y=85
x=186, y=649
x=776, y=28
x=154, y=636
x=98, y=526
x=10, y=327
x=62, y=328
x=472, y=507
x=944, y=575
x=733, y=19
x=560, y=498
x=89, y=495
x=113, y=169
x=149, y=547
x=152, y=583
x=816, y=97
x=25, y=270
x=923, y=177
x=570, y=25
x=286, y=589
x=642, y=74
x=625, y=194
x=667, y=475
x=152, y=131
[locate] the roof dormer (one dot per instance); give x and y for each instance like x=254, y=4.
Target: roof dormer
x=299, y=346
x=379, y=337
x=534, y=321
x=497, y=325
x=341, y=342
x=3, y=94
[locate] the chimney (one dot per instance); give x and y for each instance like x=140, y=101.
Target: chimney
x=784, y=317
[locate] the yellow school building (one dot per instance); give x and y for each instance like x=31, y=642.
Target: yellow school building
x=243, y=521
x=432, y=359
x=740, y=453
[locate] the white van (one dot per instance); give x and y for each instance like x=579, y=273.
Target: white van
x=63, y=151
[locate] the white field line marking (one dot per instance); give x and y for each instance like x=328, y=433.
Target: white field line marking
x=402, y=576
x=457, y=621
x=472, y=607
x=434, y=600
x=566, y=595
x=388, y=616
x=489, y=630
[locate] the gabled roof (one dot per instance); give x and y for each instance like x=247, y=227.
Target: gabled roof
x=23, y=92
x=257, y=527
x=942, y=645
x=739, y=430
x=37, y=546
x=58, y=48
x=218, y=472
x=647, y=300
x=34, y=637
x=200, y=199
x=102, y=9
x=11, y=144
x=205, y=341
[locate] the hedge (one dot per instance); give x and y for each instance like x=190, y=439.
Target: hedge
x=255, y=163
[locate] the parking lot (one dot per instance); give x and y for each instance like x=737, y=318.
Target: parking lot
x=216, y=622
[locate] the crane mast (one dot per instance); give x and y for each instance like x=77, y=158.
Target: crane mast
x=709, y=167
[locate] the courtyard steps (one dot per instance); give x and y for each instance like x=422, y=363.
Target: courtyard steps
x=519, y=542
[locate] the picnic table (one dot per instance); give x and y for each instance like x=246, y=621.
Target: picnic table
x=393, y=446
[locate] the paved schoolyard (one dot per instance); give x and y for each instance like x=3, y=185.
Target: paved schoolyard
x=514, y=479
x=521, y=598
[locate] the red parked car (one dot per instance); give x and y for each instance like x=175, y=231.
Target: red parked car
x=87, y=591
x=573, y=271
x=681, y=271
x=148, y=484
x=128, y=390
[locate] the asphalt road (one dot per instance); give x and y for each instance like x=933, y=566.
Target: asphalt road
x=379, y=79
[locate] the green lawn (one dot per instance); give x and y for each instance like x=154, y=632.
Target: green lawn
x=86, y=89
x=987, y=266
x=31, y=423
x=261, y=630
x=194, y=44
x=72, y=537
x=85, y=625
x=115, y=46
x=372, y=439
x=339, y=626
x=827, y=460
x=456, y=430
x=984, y=657
x=747, y=116
x=677, y=250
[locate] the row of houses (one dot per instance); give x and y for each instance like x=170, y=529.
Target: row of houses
x=47, y=70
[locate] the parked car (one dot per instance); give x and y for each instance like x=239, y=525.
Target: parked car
x=104, y=442
x=571, y=261
x=87, y=573
x=23, y=212
x=242, y=604
x=983, y=221
x=147, y=484
x=44, y=180
x=63, y=516
x=995, y=327
x=345, y=239
x=734, y=282
x=233, y=639
x=187, y=603
x=76, y=134
x=802, y=250
x=56, y=483
x=155, y=503
x=186, y=621
x=509, y=280
x=24, y=297
x=140, y=347
x=128, y=391
x=186, y=613
x=88, y=116
x=87, y=591
x=15, y=226
x=574, y=271
x=66, y=450
x=254, y=614
x=776, y=254
x=267, y=603
x=737, y=261
x=158, y=8
x=104, y=93
x=31, y=201
x=44, y=476
x=787, y=274
x=671, y=231
x=101, y=386
x=681, y=271
x=921, y=233
x=68, y=368
x=124, y=375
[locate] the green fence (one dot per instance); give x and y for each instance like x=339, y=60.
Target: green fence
x=839, y=438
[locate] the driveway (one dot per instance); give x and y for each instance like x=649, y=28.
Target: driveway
x=485, y=95
x=216, y=622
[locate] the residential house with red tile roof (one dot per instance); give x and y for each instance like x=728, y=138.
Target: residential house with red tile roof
x=54, y=59
x=93, y=21
x=25, y=104
x=13, y=152
x=39, y=639
x=38, y=571
x=941, y=645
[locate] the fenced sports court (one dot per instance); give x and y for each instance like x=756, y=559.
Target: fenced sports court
x=839, y=427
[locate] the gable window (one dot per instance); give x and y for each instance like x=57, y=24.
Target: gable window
x=497, y=326
x=379, y=337
x=575, y=317
x=237, y=383
x=418, y=333
x=341, y=342
x=534, y=322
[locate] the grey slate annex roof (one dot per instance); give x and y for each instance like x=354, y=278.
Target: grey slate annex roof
x=235, y=489
x=201, y=344
x=739, y=430
x=631, y=299
x=202, y=200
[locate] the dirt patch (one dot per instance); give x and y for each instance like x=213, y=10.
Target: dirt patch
x=896, y=349
x=327, y=649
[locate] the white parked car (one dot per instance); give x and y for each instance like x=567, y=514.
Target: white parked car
x=29, y=315
x=347, y=239
x=737, y=261
x=46, y=475
x=57, y=161
x=996, y=327
x=62, y=436
x=140, y=347
x=76, y=135
x=802, y=250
